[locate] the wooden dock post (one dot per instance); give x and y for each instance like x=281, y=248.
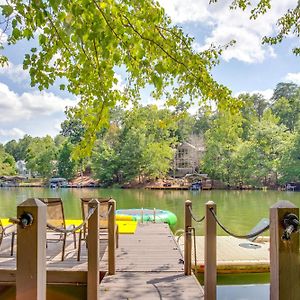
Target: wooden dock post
x=112, y=237
x=187, y=238
x=284, y=255
x=210, y=253
x=93, y=252
x=31, y=251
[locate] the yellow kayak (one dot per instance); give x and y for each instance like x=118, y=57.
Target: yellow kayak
x=125, y=225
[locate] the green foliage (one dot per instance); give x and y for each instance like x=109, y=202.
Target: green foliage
x=221, y=141
x=286, y=104
x=72, y=128
x=139, y=145
x=105, y=164
x=7, y=163
x=253, y=107
x=261, y=155
x=290, y=163
x=85, y=42
x=41, y=155
x=66, y=166
x=18, y=149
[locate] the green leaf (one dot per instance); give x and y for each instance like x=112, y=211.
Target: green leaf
x=7, y=10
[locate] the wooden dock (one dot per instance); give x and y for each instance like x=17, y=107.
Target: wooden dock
x=172, y=187
x=149, y=265
x=234, y=255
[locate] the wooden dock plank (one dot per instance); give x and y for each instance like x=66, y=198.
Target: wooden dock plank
x=145, y=285
x=149, y=266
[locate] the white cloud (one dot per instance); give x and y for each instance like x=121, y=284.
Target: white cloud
x=268, y=93
x=227, y=25
x=3, y=36
x=293, y=77
x=120, y=85
x=26, y=106
x=15, y=72
x=13, y=133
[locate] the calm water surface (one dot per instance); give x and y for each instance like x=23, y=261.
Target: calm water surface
x=239, y=211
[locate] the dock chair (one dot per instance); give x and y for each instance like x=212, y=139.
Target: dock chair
x=9, y=230
x=56, y=217
x=103, y=222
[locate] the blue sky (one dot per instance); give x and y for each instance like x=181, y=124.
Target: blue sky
x=248, y=66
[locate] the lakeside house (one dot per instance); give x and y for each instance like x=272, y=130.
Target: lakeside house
x=188, y=155
x=22, y=170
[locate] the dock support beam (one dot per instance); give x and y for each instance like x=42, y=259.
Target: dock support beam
x=284, y=255
x=112, y=237
x=187, y=238
x=93, y=243
x=31, y=251
x=210, y=253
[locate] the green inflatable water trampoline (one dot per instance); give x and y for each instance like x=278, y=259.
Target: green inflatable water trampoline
x=148, y=215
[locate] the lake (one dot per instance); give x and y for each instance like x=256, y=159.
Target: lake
x=239, y=211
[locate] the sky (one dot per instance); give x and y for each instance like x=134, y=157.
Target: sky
x=248, y=66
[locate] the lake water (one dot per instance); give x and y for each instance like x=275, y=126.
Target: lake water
x=239, y=211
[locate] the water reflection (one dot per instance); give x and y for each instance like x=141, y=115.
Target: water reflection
x=240, y=211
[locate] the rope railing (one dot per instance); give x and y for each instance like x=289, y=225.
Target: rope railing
x=246, y=236
x=194, y=218
x=75, y=228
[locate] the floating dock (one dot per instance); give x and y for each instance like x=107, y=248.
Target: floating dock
x=234, y=255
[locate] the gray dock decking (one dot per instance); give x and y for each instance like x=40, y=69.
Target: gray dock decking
x=149, y=265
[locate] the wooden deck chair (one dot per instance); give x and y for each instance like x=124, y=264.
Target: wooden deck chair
x=103, y=221
x=9, y=230
x=56, y=217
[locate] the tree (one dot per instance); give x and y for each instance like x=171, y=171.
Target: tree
x=140, y=145
x=12, y=148
x=66, y=166
x=290, y=163
x=7, y=163
x=221, y=141
x=41, y=156
x=286, y=104
x=18, y=149
x=262, y=154
x=288, y=24
x=285, y=89
x=105, y=164
x=253, y=108
x=86, y=42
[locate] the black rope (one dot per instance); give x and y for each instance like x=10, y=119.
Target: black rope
x=194, y=218
x=74, y=229
x=247, y=236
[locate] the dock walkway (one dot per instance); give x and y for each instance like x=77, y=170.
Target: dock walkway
x=149, y=265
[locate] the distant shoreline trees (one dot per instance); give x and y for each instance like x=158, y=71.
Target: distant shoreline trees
x=257, y=145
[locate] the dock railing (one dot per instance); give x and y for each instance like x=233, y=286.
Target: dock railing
x=31, y=248
x=284, y=249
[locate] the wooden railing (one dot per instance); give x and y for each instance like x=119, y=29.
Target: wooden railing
x=284, y=250
x=31, y=250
